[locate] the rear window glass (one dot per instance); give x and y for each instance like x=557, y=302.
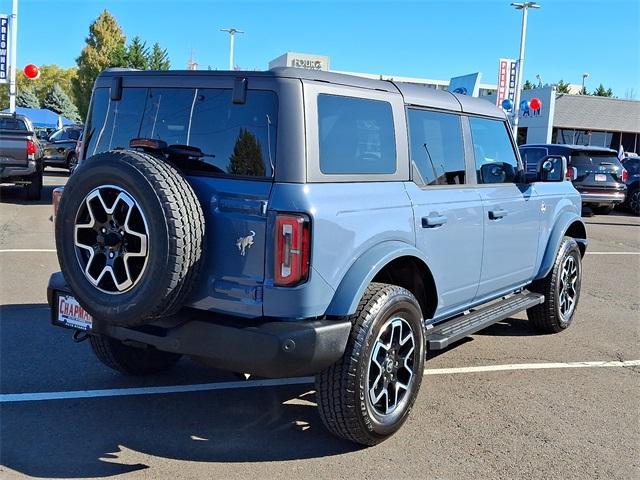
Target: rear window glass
x=356, y=136
x=593, y=159
x=12, y=124
x=235, y=139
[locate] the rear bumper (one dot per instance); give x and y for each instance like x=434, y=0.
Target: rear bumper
x=602, y=197
x=11, y=170
x=269, y=349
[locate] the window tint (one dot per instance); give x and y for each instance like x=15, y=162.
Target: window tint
x=356, y=136
x=58, y=135
x=436, y=147
x=237, y=139
x=495, y=158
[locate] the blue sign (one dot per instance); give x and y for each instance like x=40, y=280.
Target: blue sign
x=4, y=48
x=465, y=85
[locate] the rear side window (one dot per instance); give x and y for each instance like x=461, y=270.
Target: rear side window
x=356, y=136
x=495, y=158
x=436, y=147
x=235, y=139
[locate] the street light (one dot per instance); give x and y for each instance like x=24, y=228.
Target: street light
x=524, y=6
x=232, y=32
x=584, y=77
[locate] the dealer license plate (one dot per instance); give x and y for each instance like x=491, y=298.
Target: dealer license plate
x=601, y=177
x=71, y=314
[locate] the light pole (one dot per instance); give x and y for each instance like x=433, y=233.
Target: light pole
x=232, y=32
x=524, y=6
x=584, y=77
x=12, y=57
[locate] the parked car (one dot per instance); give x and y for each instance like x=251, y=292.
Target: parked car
x=632, y=201
x=20, y=155
x=596, y=172
x=292, y=222
x=60, y=149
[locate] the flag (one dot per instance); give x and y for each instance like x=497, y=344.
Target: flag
x=620, y=152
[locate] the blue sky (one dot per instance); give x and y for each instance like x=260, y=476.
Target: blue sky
x=430, y=39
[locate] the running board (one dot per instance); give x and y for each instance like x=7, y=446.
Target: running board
x=444, y=334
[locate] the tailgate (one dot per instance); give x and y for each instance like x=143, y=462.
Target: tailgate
x=13, y=150
x=597, y=169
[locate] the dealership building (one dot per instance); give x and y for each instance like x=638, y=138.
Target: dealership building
x=562, y=118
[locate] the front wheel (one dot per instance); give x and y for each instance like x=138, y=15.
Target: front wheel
x=367, y=395
x=561, y=289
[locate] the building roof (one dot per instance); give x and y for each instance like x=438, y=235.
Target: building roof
x=588, y=112
x=42, y=117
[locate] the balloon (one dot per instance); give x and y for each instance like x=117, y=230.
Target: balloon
x=525, y=105
x=536, y=104
x=31, y=71
x=507, y=104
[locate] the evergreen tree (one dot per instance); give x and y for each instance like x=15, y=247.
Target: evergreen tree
x=158, y=58
x=105, y=47
x=59, y=102
x=246, y=158
x=26, y=97
x=603, y=92
x=138, y=54
x=562, y=87
x=527, y=85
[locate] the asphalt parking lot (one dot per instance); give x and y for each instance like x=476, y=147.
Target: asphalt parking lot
x=514, y=421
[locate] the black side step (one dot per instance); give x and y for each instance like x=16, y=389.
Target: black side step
x=443, y=335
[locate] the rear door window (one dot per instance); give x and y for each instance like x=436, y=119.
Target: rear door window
x=436, y=147
x=356, y=136
x=234, y=139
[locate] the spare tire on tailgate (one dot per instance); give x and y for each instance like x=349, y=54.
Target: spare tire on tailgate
x=129, y=235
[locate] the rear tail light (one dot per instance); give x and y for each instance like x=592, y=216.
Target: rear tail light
x=293, y=245
x=31, y=148
x=572, y=173
x=624, y=175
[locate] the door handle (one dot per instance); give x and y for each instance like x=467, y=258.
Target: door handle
x=433, y=221
x=496, y=214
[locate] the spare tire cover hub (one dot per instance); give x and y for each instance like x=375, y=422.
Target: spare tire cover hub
x=111, y=239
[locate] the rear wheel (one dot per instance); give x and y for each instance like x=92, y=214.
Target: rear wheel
x=72, y=162
x=561, y=289
x=634, y=201
x=367, y=395
x=33, y=190
x=603, y=209
x=131, y=360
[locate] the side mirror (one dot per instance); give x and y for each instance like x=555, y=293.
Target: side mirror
x=552, y=168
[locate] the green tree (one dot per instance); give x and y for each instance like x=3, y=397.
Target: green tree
x=527, y=85
x=246, y=158
x=603, y=92
x=138, y=54
x=59, y=102
x=105, y=48
x=158, y=58
x=26, y=97
x=562, y=87
x=49, y=74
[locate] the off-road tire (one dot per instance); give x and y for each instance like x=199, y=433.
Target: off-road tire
x=634, y=201
x=176, y=231
x=341, y=390
x=546, y=317
x=33, y=190
x=131, y=360
x=603, y=210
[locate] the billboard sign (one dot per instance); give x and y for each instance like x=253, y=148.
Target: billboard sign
x=506, y=80
x=466, y=84
x=301, y=60
x=4, y=48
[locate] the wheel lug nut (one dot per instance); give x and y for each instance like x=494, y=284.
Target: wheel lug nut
x=103, y=230
x=110, y=254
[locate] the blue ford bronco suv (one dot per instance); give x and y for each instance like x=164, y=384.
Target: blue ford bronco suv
x=295, y=222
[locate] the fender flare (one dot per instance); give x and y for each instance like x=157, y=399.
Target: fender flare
x=564, y=222
x=362, y=272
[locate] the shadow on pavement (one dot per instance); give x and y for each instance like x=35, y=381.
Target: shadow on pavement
x=100, y=437
x=511, y=327
x=15, y=195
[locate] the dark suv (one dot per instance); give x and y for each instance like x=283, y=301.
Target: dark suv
x=632, y=165
x=595, y=172
x=60, y=151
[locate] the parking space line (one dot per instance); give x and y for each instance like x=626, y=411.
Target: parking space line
x=201, y=387
x=613, y=253
x=28, y=250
